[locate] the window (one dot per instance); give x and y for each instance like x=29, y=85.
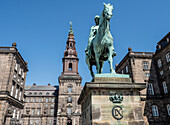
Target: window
x=165, y=87
x=40, y=93
x=51, y=111
x=29, y=100
x=39, y=99
x=20, y=71
x=12, y=89
x=34, y=99
x=51, y=121
x=155, y=110
x=150, y=89
x=37, y=122
x=127, y=69
x=33, y=111
x=16, y=93
x=20, y=95
x=30, y=93
x=69, y=99
x=69, y=110
x=69, y=89
x=122, y=71
x=17, y=114
x=70, y=66
x=159, y=63
x=15, y=76
x=38, y=111
x=35, y=93
x=52, y=100
x=47, y=93
x=145, y=65
x=46, y=100
x=161, y=73
x=23, y=74
x=16, y=66
x=147, y=74
x=18, y=80
x=13, y=116
x=168, y=109
x=167, y=57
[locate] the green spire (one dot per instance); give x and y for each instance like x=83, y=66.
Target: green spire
x=71, y=28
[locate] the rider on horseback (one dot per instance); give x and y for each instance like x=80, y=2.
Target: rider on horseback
x=92, y=35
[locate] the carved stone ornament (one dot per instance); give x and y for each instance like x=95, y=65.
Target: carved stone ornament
x=10, y=110
x=116, y=98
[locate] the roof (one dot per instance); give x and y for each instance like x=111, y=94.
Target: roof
x=41, y=88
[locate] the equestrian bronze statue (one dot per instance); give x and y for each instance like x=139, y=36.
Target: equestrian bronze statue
x=100, y=45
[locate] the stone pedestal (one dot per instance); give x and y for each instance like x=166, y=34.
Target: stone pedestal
x=111, y=100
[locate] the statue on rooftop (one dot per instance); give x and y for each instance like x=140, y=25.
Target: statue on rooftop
x=100, y=45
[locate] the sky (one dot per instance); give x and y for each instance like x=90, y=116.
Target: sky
x=40, y=29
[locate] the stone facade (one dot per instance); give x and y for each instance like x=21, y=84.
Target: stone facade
x=145, y=67
x=13, y=71
x=40, y=106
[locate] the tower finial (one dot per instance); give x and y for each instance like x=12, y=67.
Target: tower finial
x=71, y=28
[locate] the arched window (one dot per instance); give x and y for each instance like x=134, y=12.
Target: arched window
x=40, y=93
x=168, y=109
x=70, y=66
x=30, y=93
x=35, y=93
x=155, y=110
x=47, y=93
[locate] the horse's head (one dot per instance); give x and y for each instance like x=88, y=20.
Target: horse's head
x=107, y=12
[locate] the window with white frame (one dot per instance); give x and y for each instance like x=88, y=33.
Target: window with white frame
x=168, y=109
x=15, y=76
x=38, y=111
x=52, y=100
x=147, y=74
x=126, y=69
x=20, y=70
x=51, y=111
x=16, y=93
x=13, y=116
x=12, y=89
x=69, y=98
x=159, y=63
x=39, y=99
x=16, y=66
x=20, y=95
x=165, y=87
x=18, y=114
x=69, y=110
x=155, y=110
x=46, y=100
x=33, y=111
x=150, y=89
x=37, y=122
x=167, y=57
x=145, y=65
x=34, y=99
x=23, y=74
x=28, y=99
x=69, y=89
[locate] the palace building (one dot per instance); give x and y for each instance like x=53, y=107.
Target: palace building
x=57, y=105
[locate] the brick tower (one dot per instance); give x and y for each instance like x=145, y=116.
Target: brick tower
x=69, y=86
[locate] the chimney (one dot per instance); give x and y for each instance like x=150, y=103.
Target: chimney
x=34, y=84
x=48, y=84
